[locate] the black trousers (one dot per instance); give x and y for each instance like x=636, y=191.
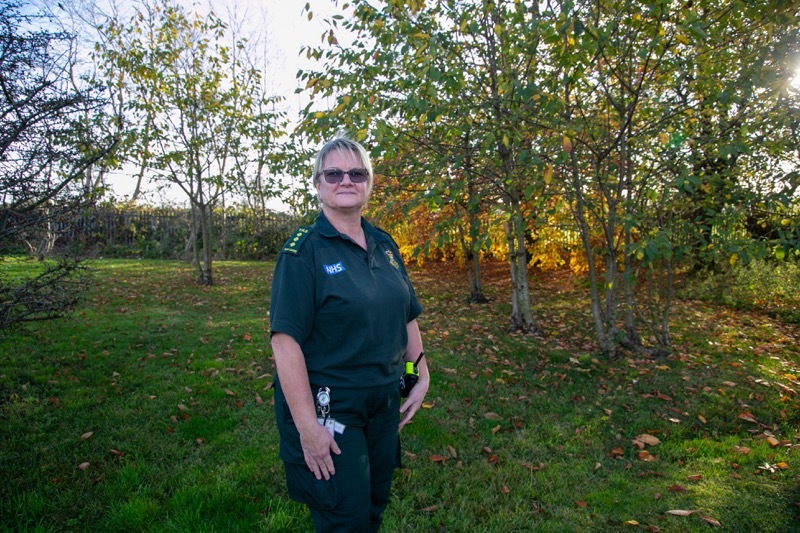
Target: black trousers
x=354, y=499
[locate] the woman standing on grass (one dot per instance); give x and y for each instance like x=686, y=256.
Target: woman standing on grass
x=342, y=319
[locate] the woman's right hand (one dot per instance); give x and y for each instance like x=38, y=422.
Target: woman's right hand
x=317, y=445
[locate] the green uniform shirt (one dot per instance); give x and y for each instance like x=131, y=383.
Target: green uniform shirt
x=347, y=308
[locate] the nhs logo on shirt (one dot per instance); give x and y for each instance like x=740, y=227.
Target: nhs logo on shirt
x=333, y=269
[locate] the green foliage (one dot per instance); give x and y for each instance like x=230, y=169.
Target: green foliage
x=766, y=285
x=668, y=129
x=164, y=233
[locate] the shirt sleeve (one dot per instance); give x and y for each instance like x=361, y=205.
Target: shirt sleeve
x=415, y=309
x=291, y=306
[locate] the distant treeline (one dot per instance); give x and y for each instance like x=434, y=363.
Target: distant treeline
x=164, y=233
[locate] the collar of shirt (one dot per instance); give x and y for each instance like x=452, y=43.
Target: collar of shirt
x=326, y=229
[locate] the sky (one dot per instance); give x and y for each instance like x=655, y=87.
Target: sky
x=287, y=29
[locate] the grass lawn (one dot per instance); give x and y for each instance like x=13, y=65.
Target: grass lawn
x=150, y=409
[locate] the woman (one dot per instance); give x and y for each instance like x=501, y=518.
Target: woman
x=342, y=319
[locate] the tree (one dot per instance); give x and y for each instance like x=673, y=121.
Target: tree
x=256, y=153
x=46, y=146
x=663, y=125
x=197, y=103
x=657, y=101
x=437, y=87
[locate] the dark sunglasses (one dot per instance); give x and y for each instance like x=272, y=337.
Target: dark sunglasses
x=334, y=175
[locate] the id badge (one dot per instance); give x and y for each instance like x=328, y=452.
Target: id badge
x=332, y=425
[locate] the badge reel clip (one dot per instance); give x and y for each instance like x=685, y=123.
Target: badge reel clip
x=410, y=376
x=324, y=407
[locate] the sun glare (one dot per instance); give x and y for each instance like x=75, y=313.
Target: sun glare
x=795, y=82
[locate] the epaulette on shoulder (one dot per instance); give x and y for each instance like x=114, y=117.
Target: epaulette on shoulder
x=295, y=242
x=386, y=235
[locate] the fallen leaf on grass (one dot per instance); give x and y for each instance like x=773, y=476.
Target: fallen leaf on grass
x=644, y=455
x=117, y=452
x=182, y=407
x=748, y=417
x=680, y=512
x=83, y=466
x=782, y=466
x=410, y=455
x=428, y=405
x=581, y=504
x=492, y=416
x=495, y=430
x=631, y=523
x=647, y=439
x=438, y=458
x=695, y=477
x=741, y=449
x=711, y=521
x=87, y=435
x=453, y=452
x=430, y=509
x=532, y=467
x=772, y=441
x=229, y=392
x=676, y=488
x=702, y=419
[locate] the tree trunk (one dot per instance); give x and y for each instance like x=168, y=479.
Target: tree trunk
x=628, y=277
x=521, y=313
x=204, y=268
x=472, y=252
x=194, y=238
x=472, y=266
x=603, y=339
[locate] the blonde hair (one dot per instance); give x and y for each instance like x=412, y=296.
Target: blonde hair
x=344, y=146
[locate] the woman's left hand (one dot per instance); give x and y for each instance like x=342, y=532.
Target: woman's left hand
x=413, y=403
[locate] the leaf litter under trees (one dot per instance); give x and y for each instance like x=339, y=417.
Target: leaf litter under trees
x=675, y=390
